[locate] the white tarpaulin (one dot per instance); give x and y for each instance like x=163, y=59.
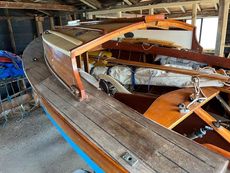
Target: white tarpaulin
x=148, y=76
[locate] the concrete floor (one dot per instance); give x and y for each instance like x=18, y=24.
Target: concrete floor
x=35, y=146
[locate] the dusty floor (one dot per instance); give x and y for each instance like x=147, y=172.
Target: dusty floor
x=35, y=146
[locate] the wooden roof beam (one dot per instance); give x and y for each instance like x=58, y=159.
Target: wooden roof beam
x=128, y=2
x=216, y=6
x=187, y=15
x=95, y=4
x=198, y=7
x=147, y=7
x=167, y=10
x=35, y=6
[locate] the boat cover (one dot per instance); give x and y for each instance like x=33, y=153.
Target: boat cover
x=10, y=65
x=147, y=76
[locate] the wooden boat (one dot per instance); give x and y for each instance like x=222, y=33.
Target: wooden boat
x=110, y=135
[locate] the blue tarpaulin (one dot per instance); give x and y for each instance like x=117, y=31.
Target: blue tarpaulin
x=11, y=68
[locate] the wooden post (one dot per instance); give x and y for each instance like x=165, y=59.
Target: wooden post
x=60, y=21
x=151, y=11
x=69, y=17
x=119, y=14
x=74, y=16
x=52, y=23
x=222, y=27
x=39, y=24
x=89, y=16
x=10, y=28
x=194, y=14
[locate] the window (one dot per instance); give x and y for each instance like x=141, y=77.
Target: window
x=207, y=31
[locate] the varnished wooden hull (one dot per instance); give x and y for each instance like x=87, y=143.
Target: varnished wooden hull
x=105, y=128
x=98, y=127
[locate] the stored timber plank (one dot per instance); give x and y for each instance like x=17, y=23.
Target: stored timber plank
x=176, y=152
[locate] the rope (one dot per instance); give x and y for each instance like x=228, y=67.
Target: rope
x=148, y=47
x=215, y=72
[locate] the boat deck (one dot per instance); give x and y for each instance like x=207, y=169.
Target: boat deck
x=105, y=129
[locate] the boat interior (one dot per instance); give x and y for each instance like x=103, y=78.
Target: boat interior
x=195, y=109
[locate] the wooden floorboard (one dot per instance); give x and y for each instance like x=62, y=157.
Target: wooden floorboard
x=116, y=128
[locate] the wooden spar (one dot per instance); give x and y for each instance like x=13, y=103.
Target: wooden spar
x=182, y=54
x=169, y=69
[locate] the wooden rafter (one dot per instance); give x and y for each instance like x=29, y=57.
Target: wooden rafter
x=183, y=9
x=128, y=2
x=216, y=7
x=155, y=6
x=167, y=10
x=187, y=14
x=198, y=7
x=35, y=6
x=95, y=4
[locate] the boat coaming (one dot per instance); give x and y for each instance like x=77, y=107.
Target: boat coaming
x=60, y=63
